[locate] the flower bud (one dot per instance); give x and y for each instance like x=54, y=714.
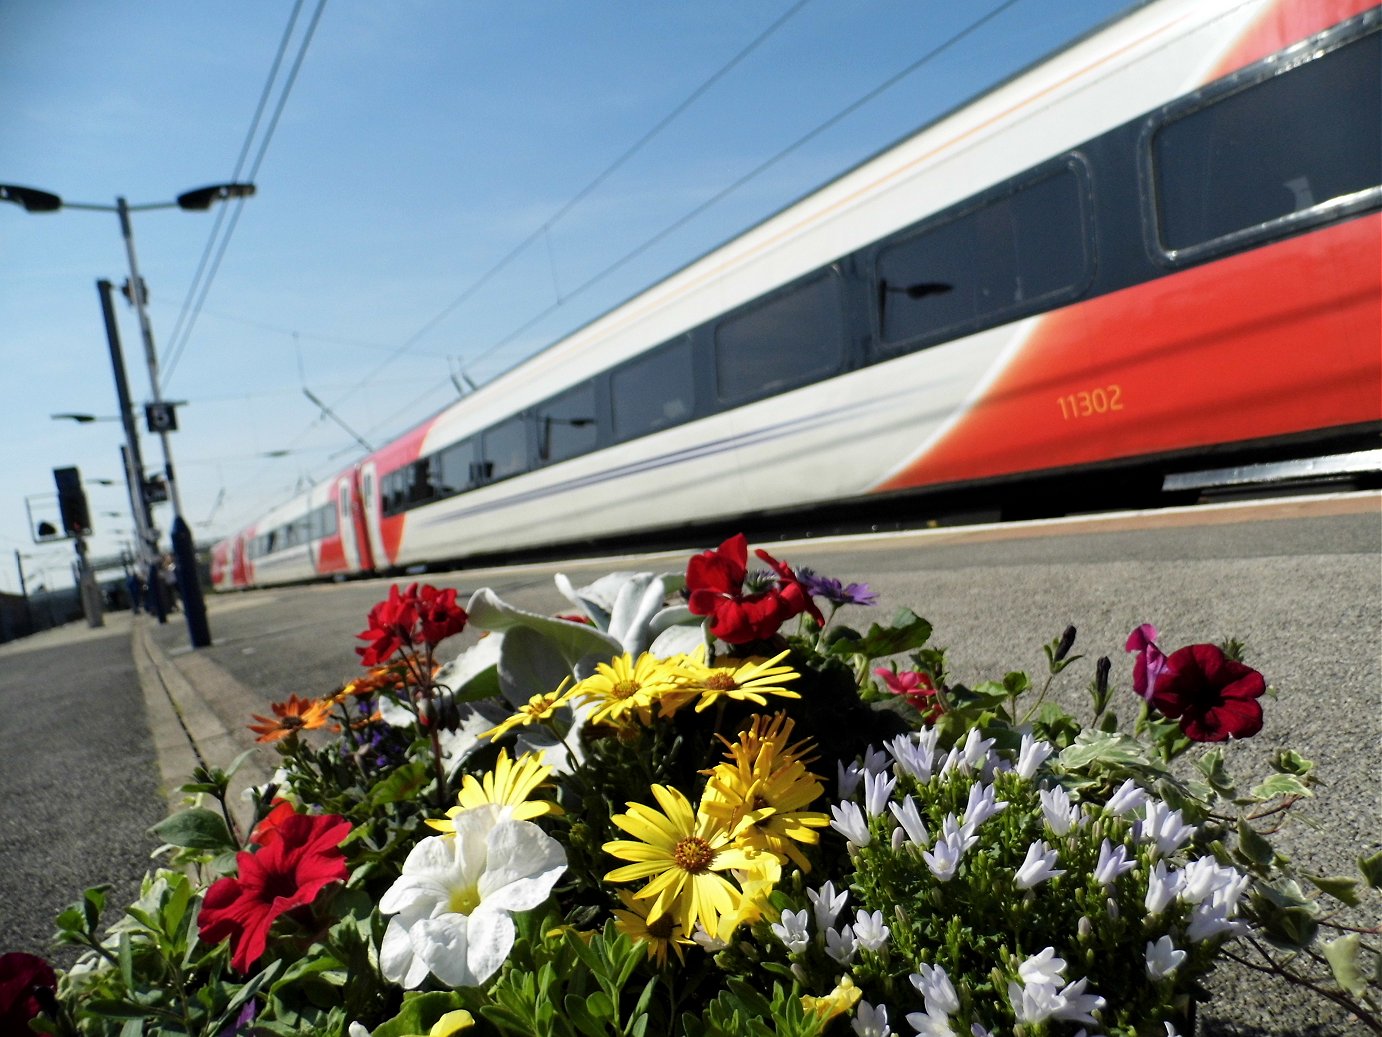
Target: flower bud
x=1067, y=641
x=1084, y=928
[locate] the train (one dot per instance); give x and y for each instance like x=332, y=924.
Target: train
x=1158, y=249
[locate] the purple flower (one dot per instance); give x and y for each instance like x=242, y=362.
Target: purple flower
x=835, y=593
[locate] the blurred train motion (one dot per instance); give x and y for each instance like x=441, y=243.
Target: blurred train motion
x=1156, y=252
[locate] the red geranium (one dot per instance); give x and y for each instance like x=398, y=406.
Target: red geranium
x=288, y=872
x=715, y=580
x=418, y=615
x=21, y=977
x=1213, y=696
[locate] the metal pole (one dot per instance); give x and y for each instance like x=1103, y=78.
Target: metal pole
x=24, y=591
x=184, y=552
x=132, y=459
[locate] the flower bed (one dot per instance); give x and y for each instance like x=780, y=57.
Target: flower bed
x=705, y=805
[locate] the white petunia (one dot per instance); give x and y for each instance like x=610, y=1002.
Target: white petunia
x=1162, y=958
x=452, y=903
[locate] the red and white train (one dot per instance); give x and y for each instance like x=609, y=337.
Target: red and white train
x=1161, y=245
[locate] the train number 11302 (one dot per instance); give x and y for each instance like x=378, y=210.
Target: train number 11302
x=1089, y=402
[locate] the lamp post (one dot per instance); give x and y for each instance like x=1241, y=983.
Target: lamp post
x=197, y=200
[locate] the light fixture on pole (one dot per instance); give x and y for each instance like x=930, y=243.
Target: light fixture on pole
x=199, y=199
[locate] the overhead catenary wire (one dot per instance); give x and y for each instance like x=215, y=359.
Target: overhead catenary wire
x=933, y=53
x=179, y=348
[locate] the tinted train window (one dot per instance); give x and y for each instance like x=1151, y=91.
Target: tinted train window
x=790, y=339
x=1277, y=147
x=566, y=424
x=455, y=467
x=654, y=391
x=1010, y=254
x=504, y=449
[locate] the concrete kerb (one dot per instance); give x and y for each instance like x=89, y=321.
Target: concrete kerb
x=197, y=715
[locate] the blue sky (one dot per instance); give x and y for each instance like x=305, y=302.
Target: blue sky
x=423, y=140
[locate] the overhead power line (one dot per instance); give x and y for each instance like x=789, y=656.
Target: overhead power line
x=584, y=192
x=179, y=347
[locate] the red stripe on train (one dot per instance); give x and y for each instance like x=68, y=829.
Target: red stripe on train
x=1282, y=339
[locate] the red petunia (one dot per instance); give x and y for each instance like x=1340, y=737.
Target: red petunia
x=1213, y=696
x=21, y=977
x=418, y=615
x=715, y=580
x=288, y=872
x=267, y=830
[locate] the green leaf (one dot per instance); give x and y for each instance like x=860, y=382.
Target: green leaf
x=1342, y=955
x=1339, y=887
x=1371, y=867
x=419, y=1013
x=197, y=829
x=1251, y=846
x=402, y=786
x=1280, y=785
x=1288, y=761
x=907, y=632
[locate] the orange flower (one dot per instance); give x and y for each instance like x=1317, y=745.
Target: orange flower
x=293, y=716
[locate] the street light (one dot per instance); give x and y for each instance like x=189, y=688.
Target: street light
x=197, y=200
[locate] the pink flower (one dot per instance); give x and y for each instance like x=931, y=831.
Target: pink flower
x=915, y=687
x=1150, y=662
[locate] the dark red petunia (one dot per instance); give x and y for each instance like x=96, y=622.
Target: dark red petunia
x=1213, y=696
x=288, y=872
x=21, y=975
x=715, y=580
x=267, y=830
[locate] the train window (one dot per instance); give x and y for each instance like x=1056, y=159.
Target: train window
x=454, y=467
x=504, y=449
x=791, y=339
x=1249, y=158
x=653, y=391
x=566, y=424
x=420, y=489
x=1010, y=254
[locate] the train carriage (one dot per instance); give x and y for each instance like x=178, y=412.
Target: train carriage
x=1161, y=245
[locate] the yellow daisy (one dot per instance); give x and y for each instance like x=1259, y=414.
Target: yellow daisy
x=509, y=785
x=765, y=772
x=743, y=681
x=624, y=689
x=537, y=708
x=661, y=933
x=684, y=857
